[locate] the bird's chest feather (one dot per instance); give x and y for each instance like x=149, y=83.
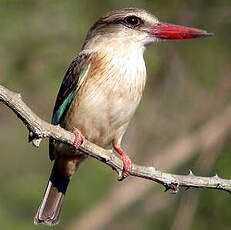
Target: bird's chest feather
x=108, y=99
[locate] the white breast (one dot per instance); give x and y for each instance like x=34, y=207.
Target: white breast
x=109, y=100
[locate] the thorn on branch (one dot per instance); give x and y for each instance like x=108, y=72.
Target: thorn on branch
x=36, y=142
x=218, y=185
x=173, y=186
x=191, y=173
x=216, y=177
x=166, y=187
x=32, y=137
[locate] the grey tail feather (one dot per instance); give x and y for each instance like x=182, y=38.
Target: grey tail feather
x=49, y=210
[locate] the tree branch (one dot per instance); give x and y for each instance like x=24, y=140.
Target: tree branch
x=39, y=129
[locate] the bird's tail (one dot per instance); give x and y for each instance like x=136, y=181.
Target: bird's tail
x=50, y=207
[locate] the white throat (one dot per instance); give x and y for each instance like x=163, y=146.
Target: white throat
x=123, y=64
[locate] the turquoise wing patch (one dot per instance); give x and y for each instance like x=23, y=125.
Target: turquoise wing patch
x=63, y=107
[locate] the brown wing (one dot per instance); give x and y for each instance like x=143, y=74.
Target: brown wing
x=67, y=91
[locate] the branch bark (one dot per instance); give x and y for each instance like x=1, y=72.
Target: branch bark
x=39, y=129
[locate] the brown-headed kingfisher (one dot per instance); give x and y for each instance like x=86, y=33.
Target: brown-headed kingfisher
x=100, y=93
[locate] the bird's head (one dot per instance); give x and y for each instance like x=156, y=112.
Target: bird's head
x=136, y=27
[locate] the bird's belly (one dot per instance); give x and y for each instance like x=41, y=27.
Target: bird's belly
x=100, y=114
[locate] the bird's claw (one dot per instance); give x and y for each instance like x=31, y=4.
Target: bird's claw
x=127, y=163
x=78, y=138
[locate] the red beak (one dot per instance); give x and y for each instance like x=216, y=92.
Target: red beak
x=170, y=31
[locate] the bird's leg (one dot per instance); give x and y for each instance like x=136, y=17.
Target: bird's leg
x=127, y=163
x=78, y=138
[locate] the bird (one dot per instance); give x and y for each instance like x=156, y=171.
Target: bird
x=100, y=93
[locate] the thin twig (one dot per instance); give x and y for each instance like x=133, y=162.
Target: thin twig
x=39, y=129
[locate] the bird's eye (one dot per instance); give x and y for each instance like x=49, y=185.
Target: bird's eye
x=132, y=20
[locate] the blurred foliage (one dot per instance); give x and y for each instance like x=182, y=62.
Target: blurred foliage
x=38, y=40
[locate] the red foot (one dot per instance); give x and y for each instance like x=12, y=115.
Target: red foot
x=78, y=138
x=127, y=163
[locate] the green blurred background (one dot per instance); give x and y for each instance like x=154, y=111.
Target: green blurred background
x=176, y=127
